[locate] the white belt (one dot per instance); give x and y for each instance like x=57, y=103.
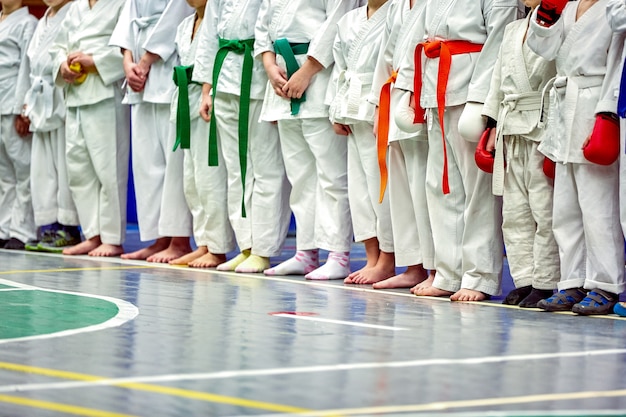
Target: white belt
x=40, y=95
x=511, y=103
x=147, y=21
x=350, y=84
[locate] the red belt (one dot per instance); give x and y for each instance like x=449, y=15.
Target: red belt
x=383, y=131
x=443, y=50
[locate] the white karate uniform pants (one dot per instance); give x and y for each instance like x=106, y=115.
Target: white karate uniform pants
x=587, y=228
x=532, y=252
x=266, y=224
x=16, y=208
x=97, y=151
x=466, y=223
x=52, y=199
x=156, y=191
x=205, y=192
x=370, y=219
x=412, y=234
x=316, y=164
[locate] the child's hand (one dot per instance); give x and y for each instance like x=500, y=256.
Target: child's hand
x=21, y=125
x=67, y=74
x=300, y=80
x=146, y=61
x=342, y=130
x=85, y=60
x=278, y=79
x=206, y=105
x=375, y=127
x=135, y=77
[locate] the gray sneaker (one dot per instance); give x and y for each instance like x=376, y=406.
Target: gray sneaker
x=62, y=240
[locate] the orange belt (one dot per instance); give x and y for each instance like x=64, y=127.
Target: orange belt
x=383, y=131
x=443, y=50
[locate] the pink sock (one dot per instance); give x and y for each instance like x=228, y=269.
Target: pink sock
x=303, y=262
x=336, y=267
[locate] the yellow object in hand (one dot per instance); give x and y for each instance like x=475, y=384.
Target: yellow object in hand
x=76, y=67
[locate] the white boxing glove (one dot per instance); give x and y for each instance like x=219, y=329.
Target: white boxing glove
x=405, y=115
x=472, y=123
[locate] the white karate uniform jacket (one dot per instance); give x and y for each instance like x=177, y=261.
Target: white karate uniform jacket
x=403, y=29
x=88, y=30
x=16, y=32
x=355, y=51
x=45, y=101
x=583, y=51
x=300, y=21
x=477, y=21
x=229, y=19
x=150, y=25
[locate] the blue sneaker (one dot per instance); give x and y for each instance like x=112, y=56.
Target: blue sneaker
x=563, y=300
x=597, y=302
x=620, y=309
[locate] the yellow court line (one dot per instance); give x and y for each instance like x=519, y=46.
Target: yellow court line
x=176, y=392
x=101, y=268
x=62, y=408
x=443, y=406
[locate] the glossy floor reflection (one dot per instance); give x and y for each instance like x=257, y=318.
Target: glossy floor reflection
x=202, y=343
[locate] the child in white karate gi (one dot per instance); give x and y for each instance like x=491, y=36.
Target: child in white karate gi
x=234, y=87
x=204, y=186
x=407, y=151
x=514, y=102
x=17, y=225
x=146, y=33
x=586, y=220
x=96, y=126
x=356, y=49
x=294, y=40
x=53, y=206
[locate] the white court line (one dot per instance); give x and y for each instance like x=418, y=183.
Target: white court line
x=346, y=323
x=126, y=312
x=306, y=370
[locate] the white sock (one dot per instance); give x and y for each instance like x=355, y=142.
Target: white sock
x=303, y=262
x=336, y=267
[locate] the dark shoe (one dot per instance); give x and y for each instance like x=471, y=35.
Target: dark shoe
x=534, y=297
x=597, y=302
x=563, y=300
x=47, y=237
x=3, y=242
x=517, y=295
x=62, y=240
x=14, y=244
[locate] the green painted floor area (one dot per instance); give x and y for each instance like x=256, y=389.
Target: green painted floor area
x=36, y=312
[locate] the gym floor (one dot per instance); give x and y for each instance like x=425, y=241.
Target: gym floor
x=106, y=337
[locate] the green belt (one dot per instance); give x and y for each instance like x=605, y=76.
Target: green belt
x=289, y=51
x=244, y=48
x=182, y=78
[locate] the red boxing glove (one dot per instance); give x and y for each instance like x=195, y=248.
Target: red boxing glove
x=549, y=11
x=484, y=159
x=603, y=145
x=549, y=167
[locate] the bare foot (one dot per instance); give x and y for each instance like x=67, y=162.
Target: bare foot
x=413, y=275
x=177, y=248
x=190, y=257
x=107, y=250
x=465, y=294
x=351, y=279
x=143, y=254
x=432, y=292
x=209, y=260
x=376, y=274
x=427, y=283
x=84, y=247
